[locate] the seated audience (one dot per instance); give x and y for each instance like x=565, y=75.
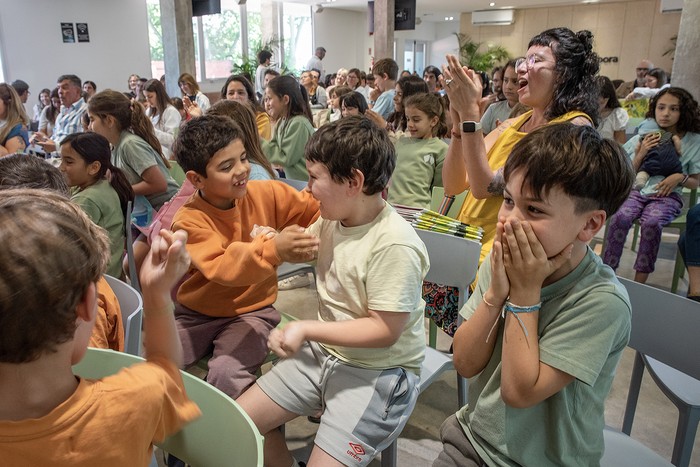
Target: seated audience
x=164, y=116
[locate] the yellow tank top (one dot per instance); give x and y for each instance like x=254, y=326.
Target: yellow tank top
x=484, y=212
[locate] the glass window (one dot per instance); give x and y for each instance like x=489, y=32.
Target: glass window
x=297, y=34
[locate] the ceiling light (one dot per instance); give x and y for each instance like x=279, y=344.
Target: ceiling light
x=492, y=4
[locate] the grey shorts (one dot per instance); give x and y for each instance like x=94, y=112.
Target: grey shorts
x=362, y=410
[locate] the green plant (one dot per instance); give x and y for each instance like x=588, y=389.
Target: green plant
x=250, y=64
x=470, y=55
x=672, y=50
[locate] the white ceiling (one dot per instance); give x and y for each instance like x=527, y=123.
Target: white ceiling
x=436, y=10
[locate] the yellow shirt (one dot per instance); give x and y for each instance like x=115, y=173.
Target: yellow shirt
x=484, y=212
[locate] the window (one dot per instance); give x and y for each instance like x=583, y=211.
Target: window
x=297, y=34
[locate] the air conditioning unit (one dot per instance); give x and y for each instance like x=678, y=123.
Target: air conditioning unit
x=492, y=17
x=671, y=6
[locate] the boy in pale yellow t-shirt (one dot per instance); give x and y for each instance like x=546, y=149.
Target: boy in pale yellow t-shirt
x=358, y=365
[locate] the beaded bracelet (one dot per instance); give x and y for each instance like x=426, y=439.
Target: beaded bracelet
x=515, y=309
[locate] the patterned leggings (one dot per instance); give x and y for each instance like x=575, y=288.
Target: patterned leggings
x=653, y=213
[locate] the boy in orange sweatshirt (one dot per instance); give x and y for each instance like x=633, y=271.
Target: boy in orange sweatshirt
x=225, y=303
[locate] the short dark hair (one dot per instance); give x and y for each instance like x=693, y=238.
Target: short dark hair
x=74, y=80
x=272, y=72
x=594, y=171
x=263, y=56
x=91, y=83
x=433, y=70
x=386, y=66
x=354, y=100
x=23, y=171
x=354, y=143
x=690, y=116
x=575, y=69
x=200, y=138
x=20, y=86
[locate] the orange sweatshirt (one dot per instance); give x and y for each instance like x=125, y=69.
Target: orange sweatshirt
x=231, y=272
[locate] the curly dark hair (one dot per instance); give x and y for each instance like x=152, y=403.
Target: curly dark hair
x=575, y=69
x=200, y=138
x=690, y=116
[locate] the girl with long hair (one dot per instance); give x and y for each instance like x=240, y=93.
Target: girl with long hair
x=137, y=151
x=289, y=106
x=101, y=189
x=191, y=93
x=13, y=132
x=48, y=115
x=164, y=116
x=238, y=88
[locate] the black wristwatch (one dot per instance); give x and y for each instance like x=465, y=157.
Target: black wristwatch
x=470, y=127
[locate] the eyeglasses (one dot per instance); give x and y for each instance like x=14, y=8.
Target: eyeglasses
x=530, y=61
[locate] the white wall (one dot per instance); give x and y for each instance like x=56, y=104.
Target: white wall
x=33, y=48
x=441, y=47
x=345, y=36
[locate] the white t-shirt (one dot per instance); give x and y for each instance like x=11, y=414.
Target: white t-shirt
x=615, y=121
x=378, y=266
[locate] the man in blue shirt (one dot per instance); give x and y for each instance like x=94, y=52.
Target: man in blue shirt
x=73, y=106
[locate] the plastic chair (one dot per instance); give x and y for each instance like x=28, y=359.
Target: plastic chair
x=131, y=306
x=176, y=172
x=664, y=335
x=453, y=262
x=223, y=435
x=133, y=273
x=623, y=451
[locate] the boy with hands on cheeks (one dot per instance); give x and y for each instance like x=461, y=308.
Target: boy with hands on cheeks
x=547, y=323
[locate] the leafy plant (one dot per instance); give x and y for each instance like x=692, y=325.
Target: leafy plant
x=470, y=55
x=250, y=64
x=672, y=50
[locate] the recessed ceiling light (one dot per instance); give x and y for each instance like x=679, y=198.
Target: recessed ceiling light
x=492, y=4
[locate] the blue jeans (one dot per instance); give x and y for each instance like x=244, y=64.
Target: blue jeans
x=689, y=243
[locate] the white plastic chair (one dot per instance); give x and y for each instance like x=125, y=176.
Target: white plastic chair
x=131, y=306
x=223, y=435
x=453, y=262
x=664, y=335
x=623, y=451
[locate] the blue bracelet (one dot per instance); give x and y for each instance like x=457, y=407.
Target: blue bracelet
x=515, y=309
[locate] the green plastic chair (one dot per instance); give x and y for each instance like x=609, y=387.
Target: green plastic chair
x=176, y=172
x=223, y=435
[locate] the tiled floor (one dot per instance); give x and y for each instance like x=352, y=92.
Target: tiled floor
x=655, y=421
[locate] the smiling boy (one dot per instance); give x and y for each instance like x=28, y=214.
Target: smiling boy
x=225, y=303
x=539, y=376
x=358, y=365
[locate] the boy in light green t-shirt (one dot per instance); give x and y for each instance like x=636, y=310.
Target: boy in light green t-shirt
x=539, y=376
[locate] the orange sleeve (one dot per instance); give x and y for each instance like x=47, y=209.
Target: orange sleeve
x=108, y=332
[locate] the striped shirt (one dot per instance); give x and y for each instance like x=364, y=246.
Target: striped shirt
x=68, y=120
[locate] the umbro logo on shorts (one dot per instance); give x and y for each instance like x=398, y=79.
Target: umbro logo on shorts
x=356, y=451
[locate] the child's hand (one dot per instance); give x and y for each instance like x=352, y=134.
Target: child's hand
x=259, y=230
x=525, y=260
x=165, y=263
x=500, y=286
x=294, y=245
x=376, y=118
x=286, y=342
x=650, y=141
x=668, y=184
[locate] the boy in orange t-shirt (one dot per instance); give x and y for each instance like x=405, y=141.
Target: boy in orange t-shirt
x=48, y=302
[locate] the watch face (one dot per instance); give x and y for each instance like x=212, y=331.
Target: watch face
x=470, y=127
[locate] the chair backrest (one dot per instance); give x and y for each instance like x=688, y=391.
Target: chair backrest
x=223, y=435
x=133, y=273
x=131, y=306
x=298, y=184
x=453, y=260
x=665, y=327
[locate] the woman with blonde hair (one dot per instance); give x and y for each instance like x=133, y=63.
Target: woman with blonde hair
x=137, y=151
x=13, y=132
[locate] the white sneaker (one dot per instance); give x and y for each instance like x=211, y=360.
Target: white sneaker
x=294, y=282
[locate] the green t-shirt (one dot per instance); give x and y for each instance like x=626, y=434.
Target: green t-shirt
x=584, y=325
x=286, y=147
x=133, y=155
x=418, y=170
x=101, y=203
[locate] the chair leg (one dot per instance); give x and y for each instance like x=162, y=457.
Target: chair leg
x=462, y=386
x=390, y=455
x=688, y=418
x=633, y=395
x=635, y=236
x=432, y=334
x=678, y=272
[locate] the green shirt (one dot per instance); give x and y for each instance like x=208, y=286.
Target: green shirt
x=101, y=203
x=418, y=170
x=286, y=147
x=133, y=155
x=584, y=325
